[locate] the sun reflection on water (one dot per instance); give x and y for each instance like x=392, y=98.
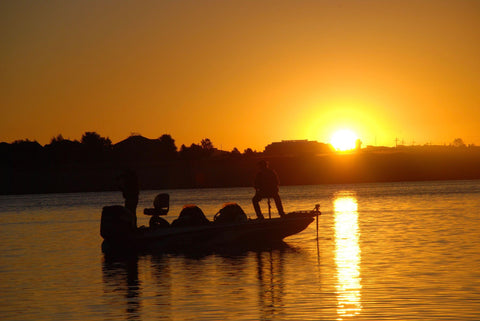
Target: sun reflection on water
x=347, y=255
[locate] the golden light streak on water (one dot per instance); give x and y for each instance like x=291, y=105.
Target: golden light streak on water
x=347, y=255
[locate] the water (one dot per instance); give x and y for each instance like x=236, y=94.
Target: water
x=386, y=252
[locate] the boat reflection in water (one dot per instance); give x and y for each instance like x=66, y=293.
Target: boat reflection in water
x=347, y=255
x=158, y=286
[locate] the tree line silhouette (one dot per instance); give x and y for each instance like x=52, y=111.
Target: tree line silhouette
x=93, y=163
x=93, y=148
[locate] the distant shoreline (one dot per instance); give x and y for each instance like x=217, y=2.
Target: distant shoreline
x=358, y=167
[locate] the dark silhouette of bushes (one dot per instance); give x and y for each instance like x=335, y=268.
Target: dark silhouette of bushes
x=62, y=151
x=93, y=163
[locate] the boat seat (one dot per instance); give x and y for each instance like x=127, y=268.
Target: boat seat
x=161, y=205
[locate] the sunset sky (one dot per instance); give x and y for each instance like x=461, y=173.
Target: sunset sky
x=242, y=73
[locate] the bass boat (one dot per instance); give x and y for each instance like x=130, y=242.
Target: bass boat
x=192, y=230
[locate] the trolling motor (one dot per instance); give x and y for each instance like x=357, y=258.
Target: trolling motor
x=269, y=208
x=317, y=212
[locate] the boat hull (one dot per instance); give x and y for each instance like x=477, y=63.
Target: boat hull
x=214, y=236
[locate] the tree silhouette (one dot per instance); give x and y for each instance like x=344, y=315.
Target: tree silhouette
x=94, y=140
x=248, y=152
x=167, y=146
x=207, y=144
x=57, y=139
x=63, y=151
x=26, y=152
x=193, y=152
x=95, y=147
x=458, y=142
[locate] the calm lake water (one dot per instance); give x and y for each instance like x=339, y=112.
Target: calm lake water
x=385, y=251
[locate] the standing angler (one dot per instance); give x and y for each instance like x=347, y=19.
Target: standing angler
x=266, y=186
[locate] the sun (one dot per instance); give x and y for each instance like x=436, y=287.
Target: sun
x=343, y=140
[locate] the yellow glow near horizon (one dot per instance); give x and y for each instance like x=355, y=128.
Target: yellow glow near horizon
x=73, y=68
x=343, y=140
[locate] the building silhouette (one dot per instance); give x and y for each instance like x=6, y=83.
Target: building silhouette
x=297, y=148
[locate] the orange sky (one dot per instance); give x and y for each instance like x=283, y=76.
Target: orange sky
x=242, y=73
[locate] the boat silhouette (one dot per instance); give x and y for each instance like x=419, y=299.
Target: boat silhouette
x=192, y=231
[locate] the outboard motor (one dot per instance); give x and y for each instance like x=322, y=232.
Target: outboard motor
x=117, y=224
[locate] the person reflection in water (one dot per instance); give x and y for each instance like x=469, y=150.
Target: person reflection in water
x=266, y=186
x=128, y=184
